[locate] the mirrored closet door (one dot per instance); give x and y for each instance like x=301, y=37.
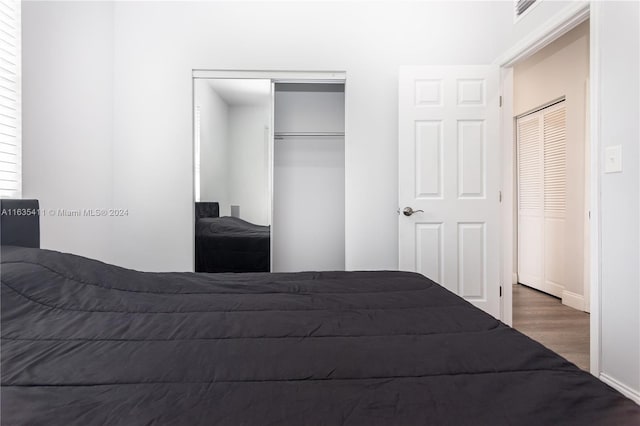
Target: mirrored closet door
x=232, y=197
x=268, y=173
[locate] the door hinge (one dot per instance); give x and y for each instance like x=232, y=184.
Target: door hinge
x=500, y=196
x=500, y=101
x=500, y=291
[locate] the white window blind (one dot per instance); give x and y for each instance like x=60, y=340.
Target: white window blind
x=10, y=100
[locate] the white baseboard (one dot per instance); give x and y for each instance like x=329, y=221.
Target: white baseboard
x=573, y=300
x=546, y=286
x=514, y=279
x=632, y=394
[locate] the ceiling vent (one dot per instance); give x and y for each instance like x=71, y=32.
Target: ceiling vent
x=523, y=5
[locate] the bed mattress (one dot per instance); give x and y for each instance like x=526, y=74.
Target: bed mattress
x=89, y=343
x=230, y=244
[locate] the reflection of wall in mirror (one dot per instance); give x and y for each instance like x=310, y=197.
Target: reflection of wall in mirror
x=214, y=118
x=248, y=171
x=233, y=154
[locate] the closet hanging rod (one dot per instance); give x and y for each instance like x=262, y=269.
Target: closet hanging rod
x=280, y=135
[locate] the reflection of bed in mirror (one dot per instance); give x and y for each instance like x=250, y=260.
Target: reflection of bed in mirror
x=229, y=244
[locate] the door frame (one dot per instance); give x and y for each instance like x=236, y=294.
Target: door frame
x=563, y=22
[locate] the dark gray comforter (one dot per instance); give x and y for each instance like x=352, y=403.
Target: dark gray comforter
x=86, y=343
x=230, y=244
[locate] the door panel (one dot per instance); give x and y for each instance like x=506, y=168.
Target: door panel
x=530, y=233
x=428, y=166
x=554, y=251
x=471, y=159
x=429, y=250
x=472, y=260
x=530, y=201
x=449, y=168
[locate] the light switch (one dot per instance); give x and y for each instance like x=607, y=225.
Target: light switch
x=613, y=159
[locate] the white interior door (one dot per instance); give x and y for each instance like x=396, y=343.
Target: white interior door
x=542, y=176
x=449, y=173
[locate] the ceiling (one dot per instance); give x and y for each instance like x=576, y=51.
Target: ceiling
x=242, y=92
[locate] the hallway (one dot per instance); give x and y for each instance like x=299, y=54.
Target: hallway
x=560, y=328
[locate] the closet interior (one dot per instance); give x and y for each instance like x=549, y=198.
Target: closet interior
x=308, y=180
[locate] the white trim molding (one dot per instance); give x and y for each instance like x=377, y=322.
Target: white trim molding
x=278, y=76
x=563, y=22
x=573, y=300
x=508, y=248
x=632, y=394
x=594, y=232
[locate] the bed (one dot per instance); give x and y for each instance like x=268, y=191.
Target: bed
x=84, y=343
x=229, y=244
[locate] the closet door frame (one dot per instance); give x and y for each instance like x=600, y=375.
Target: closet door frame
x=276, y=76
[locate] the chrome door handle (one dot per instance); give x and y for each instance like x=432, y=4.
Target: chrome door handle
x=408, y=211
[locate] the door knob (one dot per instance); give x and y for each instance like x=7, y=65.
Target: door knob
x=408, y=211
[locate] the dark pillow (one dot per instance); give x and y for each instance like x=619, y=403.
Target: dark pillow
x=20, y=223
x=207, y=209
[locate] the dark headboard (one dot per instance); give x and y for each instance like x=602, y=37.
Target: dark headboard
x=207, y=209
x=20, y=223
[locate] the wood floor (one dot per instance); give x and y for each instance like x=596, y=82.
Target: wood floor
x=560, y=328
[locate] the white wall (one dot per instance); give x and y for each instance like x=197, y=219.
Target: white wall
x=248, y=155
x=158, y=43
x=68, y=98
x=233, y=154
x=214, y=145
x=295, y=112
x=152, y=48
x=562, y=69
x=616, y=36
x=308, y=213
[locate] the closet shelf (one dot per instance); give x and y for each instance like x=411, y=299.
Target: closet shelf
x=282, y=135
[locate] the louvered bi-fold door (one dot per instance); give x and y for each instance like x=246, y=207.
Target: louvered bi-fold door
x=542, y=169
x=10, y=134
